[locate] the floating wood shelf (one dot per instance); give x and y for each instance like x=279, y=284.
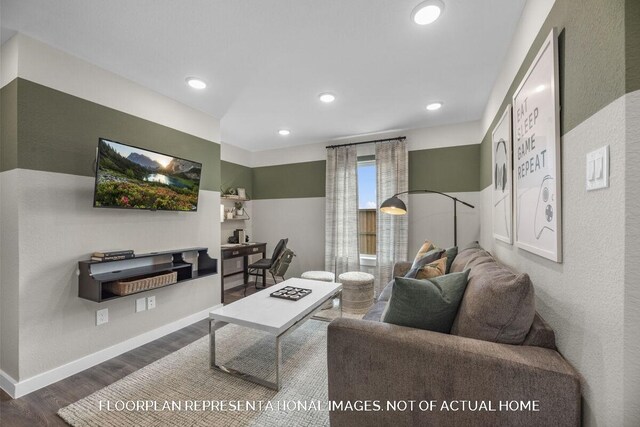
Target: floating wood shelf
x=90, y=283
x=235, y=198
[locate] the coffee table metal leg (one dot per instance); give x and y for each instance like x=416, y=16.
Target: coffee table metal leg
x=278, y=362
x=212, y=345
x=272, y=385
x=212, y=361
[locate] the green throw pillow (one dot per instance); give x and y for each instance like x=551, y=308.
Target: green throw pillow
x=451, y=254
x=426, y=304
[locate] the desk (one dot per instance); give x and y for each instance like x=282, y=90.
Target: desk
x=240, y=251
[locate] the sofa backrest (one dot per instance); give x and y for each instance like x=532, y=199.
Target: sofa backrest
x=498, y=305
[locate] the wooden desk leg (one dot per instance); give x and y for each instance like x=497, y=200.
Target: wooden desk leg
x=222, y=280
x=245, y=270
x=264, y=272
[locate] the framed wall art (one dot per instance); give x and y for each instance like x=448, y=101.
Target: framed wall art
x=536, y=154
x=502, y=179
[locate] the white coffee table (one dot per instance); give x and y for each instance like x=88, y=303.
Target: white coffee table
x=273, y=315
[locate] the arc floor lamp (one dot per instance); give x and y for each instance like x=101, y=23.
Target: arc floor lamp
x=395, y=206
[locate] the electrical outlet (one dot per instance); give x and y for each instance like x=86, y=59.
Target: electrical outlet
x=238, y=264
x=102, y=316
x=141, y=304
x=151, y=303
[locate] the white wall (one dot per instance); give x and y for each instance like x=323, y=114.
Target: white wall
x=303, y=219
x=632, y=267
x=583, y=297
x=58, y=227
x=590, y=299
x=533, y=16
x=239, y=156
x=226, y=230
x=9, y=292
x=431, y=218
x=51, y=226
x=56, y=69
x=417, y=139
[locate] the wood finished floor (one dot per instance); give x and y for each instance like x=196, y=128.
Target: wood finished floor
x=40, y=407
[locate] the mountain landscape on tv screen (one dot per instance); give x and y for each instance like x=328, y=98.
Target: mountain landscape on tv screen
x=130, y=177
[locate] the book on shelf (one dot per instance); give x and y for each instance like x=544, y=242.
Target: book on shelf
x=112, y=257
x=113, y=253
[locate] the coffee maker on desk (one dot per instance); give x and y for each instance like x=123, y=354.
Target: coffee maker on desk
x=239, y=236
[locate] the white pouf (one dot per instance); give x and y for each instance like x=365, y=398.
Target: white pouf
x=357, y=291
x=323, y=276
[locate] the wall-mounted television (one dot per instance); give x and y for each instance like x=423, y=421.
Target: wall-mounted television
x=129, y=177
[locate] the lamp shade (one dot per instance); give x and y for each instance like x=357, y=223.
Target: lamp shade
x=394, y=206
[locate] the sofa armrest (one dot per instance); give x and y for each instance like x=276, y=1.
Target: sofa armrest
x=401, y=268
x=372, y=361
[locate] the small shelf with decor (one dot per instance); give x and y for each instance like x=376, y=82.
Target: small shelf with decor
x=235, y=211
x=120, y=280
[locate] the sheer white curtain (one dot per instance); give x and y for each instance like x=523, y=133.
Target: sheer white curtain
x=341, y=227
x=392, y=176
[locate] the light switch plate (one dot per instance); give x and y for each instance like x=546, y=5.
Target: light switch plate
x=598, y=169
x=141, y=304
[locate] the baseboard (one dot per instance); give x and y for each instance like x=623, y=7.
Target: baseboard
x=29, y=385
x=7, y=383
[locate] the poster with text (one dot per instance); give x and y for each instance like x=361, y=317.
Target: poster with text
x=536, y=155
x=502, y=178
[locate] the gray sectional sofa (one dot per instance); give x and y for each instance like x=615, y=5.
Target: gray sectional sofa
x=498, y=367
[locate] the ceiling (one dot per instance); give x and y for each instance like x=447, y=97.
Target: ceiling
x=266, y=61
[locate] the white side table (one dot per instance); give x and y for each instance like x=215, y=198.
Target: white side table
x=357, y=291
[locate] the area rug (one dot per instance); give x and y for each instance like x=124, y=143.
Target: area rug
x=330, y=314
x=181, y=390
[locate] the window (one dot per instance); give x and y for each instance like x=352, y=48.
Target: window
x=367, y=206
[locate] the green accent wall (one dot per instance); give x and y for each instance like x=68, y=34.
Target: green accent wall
x=236, y=176
x=9, y=127
x=632, y=44
x=58, y=132
x=591, y=48
x=294, y=180
x=449, y=169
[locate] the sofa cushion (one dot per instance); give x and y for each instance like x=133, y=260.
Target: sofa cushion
x=498, y=305
x=429, y=271
x=375, y=312
x=460, y=262
x=426, y=304
x=386, y=292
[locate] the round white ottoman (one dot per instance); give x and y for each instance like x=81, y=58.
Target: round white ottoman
x=357, y=291
x=323, y=276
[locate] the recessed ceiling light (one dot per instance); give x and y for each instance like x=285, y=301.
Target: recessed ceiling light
x=284, y=132
x=196, y=83
x=427, y=12
x=434, y=106
x=327, y=97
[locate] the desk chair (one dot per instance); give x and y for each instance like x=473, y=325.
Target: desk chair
x=260, y=267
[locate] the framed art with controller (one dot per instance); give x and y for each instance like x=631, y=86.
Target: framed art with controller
x=536, y=155
x=502, y=178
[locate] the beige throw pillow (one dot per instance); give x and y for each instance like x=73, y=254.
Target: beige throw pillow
x=435, y=269
x=426, y=247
